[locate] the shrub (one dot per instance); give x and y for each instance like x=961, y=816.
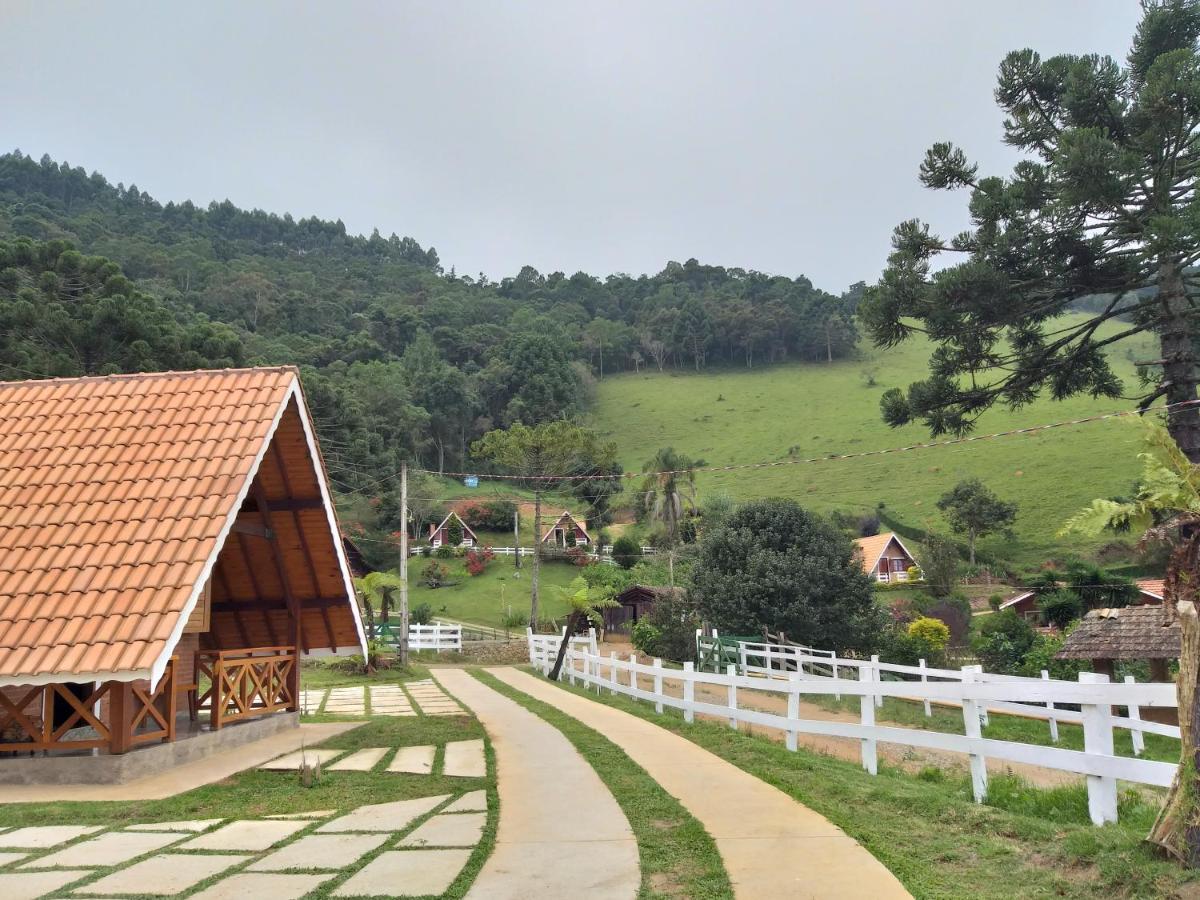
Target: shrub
x=646, y=638
x=1060, y=608
x=510, y=618
x=1002, y=642
x=933, y=632
x=434, y=574
x=955, y=611
x=489, y=515
x=444, y=552
x=994, y=602
x=940, y=565
x=1040, y=656
x=626, y=552
x=675, y=618
x=578, y=556
x=902, y=648
x=454, y=532
x=421, y=614
x=571, y=539
x=477, y=560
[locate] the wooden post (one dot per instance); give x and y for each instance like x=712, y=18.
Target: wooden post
x=633, y=682
x=120, y=714
x=658, y=686
x=793, y=709
x=1050, y=710
x=866, y=706
x=1098, y=739
x=925, y=680
x=403, y=648
x=612, y=673
x=875, y=677
x=731, y=671
x=971, y=728
x=1135, y=713
x=742, y=655
x=689, y=691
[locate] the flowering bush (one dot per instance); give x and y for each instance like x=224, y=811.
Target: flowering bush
x=477, y=560
x=579, y=556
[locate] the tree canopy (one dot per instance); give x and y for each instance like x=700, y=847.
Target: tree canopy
x=972, y=508
x=1102, y=206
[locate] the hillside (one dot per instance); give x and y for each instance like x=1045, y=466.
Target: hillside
x=813, y=410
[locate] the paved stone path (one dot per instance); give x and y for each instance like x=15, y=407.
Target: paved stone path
x=384, y=700
x=540, y=851
x=771, y=845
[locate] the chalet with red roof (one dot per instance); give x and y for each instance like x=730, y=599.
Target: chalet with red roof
x=884, y=557
x=560, y=533
x=440, y=536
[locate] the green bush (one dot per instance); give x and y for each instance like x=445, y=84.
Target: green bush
x=444, y=552
x=434, y=574
x=646, y=638
x=1002, y=643
x=933, y=632
x=511, y=618
x=676, y=621
x=1060, y=608
x=626, y=552
x=421, y=614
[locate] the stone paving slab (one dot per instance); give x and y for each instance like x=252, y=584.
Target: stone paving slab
x=268, y=887
x=163, y=876
x=771, y=845
x=360, y=760
x=474, y=801
x=40, y=837
x=110, y=849
x=28, y=885
x=193, y=825
x=455, y=830
x=464, y=759
x=393, y=816
x=320, y=851
x=311, y=814
x=291, y=762
x=310, y=702
x=413, y=760
x=346, y=701
x=9, y=858
x=406, y=873
x=251, y=836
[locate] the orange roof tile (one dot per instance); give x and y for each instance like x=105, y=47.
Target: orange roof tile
x=1151, y=586
x=114, y=493
x=871, y=548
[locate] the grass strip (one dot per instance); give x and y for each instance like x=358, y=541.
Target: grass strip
x=678, y=857
x=926, y=828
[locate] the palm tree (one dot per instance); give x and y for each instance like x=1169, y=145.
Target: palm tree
x=1166, y=509
x=586, y=602
x=667, y=493
x=382, y=589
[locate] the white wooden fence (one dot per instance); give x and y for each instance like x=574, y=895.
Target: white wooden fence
x=1093, y=694
x=543, y=648
x=437, y=636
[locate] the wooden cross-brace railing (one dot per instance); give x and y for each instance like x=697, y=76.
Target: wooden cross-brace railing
x=246, y=683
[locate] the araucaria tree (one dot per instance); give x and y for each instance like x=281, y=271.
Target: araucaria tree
x=776, y=565
x=972, y=508
x=1104, y=206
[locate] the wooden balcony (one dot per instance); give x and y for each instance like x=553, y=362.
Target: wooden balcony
x=246, y=683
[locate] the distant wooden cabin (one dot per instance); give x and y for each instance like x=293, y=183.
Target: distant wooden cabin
x=441, y=534
x=557, y=534
x=635, y=602
x=1025, y=603
x=885, y=557
x=168, y=538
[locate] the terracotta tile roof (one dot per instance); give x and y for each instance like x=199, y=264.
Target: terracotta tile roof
x=871, y=548
x=1151, y=586
x=113, y=494
x=1131, y=632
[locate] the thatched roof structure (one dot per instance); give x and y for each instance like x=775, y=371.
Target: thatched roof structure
x=1131, y=632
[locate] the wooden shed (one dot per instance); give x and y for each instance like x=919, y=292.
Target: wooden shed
x=163, y=537
x=636, y=602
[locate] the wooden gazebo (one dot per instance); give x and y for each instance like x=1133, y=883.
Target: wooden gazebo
x=164, y=539
x=1104, y=636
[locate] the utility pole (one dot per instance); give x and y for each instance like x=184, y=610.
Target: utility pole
x=537, y=559
x=517, y=536
x=404, y=563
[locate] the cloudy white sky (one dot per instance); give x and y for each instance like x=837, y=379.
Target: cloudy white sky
x=606, y=137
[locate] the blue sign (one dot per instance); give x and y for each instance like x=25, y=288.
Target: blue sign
x=471, y=481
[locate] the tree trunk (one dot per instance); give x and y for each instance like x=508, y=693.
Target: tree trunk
x=971, y=546
x=572, y=624
x=1179, y=360
x=1177, y=829
x=537, y=559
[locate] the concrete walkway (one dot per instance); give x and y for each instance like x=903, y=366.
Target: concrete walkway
x=771, y=845
x=561, y=833
x=186, y=776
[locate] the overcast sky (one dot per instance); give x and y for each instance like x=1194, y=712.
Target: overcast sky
x=608, y=137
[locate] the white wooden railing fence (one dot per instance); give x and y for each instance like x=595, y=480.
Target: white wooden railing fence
x=1093, y=694
x=437, y=636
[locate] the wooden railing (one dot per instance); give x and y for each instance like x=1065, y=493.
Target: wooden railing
x=121, y=715
x=247, y=683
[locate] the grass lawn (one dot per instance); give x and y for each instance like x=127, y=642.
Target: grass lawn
x=256, y=793
x=481, y=599
x=678, y=857
x=815, y=410
x=1023, y=842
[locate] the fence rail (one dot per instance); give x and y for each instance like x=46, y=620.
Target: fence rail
x=436, y=637
x=1093, y=694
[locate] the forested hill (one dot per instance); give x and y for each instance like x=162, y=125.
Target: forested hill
x=401, y=358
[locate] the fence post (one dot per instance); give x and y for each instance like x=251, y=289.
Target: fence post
x=1050, y=711
x=983, y=710
x=689, y=691
x=971, y=728
x=612, y=673
x=741, y=656
x=925, y=680
x=533, y=661
x=866, y=705
x=793, y=709
x=876, y=677
x=633, y=671
x=1098, y=739
x=1135, y=713
x=658, y=686
x=731, y=671
x=838, y=695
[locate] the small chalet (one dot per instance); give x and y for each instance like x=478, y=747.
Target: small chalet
x=635, y=602
x=440, y=535
x=566, y=524
x=885, y=557
x=167, y=542
x=1025, y=603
